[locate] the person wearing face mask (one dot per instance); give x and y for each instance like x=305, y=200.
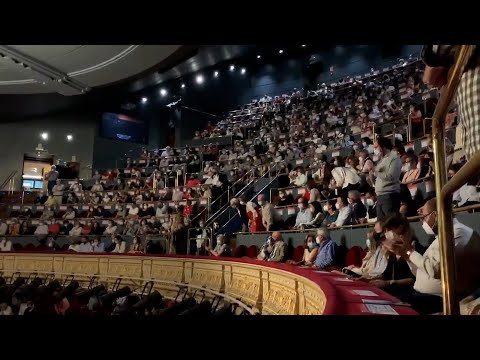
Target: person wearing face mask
x=110, y=229
x=309, y=253
x=358, y=209
x=98, y=245
x=368, y=262
x=370, y=204
x=279, y=248
x=317, y=216
x=387, y=179
x=410, y=170
x=330, y=211
x=367, y=145
x=222, y=248
x=327, y=249
x=427, y=293
x=344, y=213
x=120, y=245
x=136, y=247
x=304, y=216
x=397, y=278
x=467, y=194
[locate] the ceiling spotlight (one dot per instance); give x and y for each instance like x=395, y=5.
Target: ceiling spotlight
x=44, y=136
x=259, y=56
x=163, y=92
x=243, y=71
x=280, y=51
x=232, y=67
x=215, y=74
x=199, y=79
x=144, y=100
x=69, y=137
x=183, y=86
x=304, y=45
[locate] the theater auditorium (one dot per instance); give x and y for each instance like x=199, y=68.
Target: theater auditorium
x=221, y=180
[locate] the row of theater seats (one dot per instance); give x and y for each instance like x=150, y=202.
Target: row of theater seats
x=47, y=296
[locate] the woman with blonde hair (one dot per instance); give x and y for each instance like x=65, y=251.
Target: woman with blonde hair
x=369, y=259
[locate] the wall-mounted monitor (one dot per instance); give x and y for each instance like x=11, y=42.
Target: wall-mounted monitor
x=123, y=128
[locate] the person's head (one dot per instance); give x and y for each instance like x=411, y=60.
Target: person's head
x=323, y=234
x=282, y=194
x=310, y=241
x=136, y=240
x=382, y=146
x=371, y=241
x=118, y=239
x=354, y=196
x=366, y=142
x=410, y=162
x=234, y=203
x=315, y=208
x=397, y=225
x=3, y=305
x=352, y=161
x=220, y=239
x=429, y=215
x=261, y=199
x=453, y=169
x=96, y=241
x=58, y=182
x=84, y=240
x=276, y=236
x=302, y=203
x=338, y=161
x=53, y=167
x=341, y=203
x=370, y=198
x=329, y=206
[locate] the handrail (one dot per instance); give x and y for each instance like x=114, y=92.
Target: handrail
x=225, y=207
x=356, y=226
x=444, y=203
x=8, y=179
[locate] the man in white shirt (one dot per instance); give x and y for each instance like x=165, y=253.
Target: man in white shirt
x=3, y=228
x=344, y=213
x=5, y=245
x=42, y=229
x=426, y=267
x=304, y=215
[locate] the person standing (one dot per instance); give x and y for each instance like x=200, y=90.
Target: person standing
x=51, y=178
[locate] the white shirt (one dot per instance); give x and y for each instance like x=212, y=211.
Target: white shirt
x=3, y=228
x=41, y=230
x=22, y=308
x=133, y=211
x=5, y=245
x=76, y=231
x=7, y=311
x=120, y=248
x=344, y=176
x=343, y=216
x=426, y=267
x=300, y=180
x=110, y=230
x=85, y=247
x=466, y=193
x=97, y=187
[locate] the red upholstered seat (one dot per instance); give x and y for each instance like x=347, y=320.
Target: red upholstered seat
x=240, y=251
x=252, y=251
x=17, y=247
x=65, y=247
x=354, y=256
x=29, y=247
x=298, y=253
x=42, y=247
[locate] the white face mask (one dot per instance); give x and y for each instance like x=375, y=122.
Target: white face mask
x=377, y=152
x=325, y=208
x=301, y=206
x=318, y=239
x=337, y=206
x=369, y=202
x=389, y=235
x=260, y=202
x=311, y=245
x=427, y=228
x=368, y=243
x=335, y=163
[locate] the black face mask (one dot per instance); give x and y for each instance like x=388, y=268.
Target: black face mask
x=378, y=236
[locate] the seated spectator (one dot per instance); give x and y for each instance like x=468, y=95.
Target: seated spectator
x=317, y=216
x=25, y=214
x=52, y=244
x=42, y=229
x=120, y=245
x=5, y=309
x=313, y=191
x=279, y=248
x=24, y=229
x=162, y=210
x=111, y=228
x=298, y=177
x=326, y=250
x=55, y=227
x=61, y=304
x=374, y=248
x=136, y=246
x=98, y=187
x=370, y=204
x=344, y=213
x=358, y=210
x=98, y=245
x=97, y=229
x=14, y=228
x=131, y=228
x=75, y=246
x=64, y=228
x=304, y=216
x=48, y=213
x=3, y=228
x=76, y=186
x=69, y=214
x=133, y=212
x=76, y=230
x=331, y=213
x=87, y=228
x=222, y=248
x=284, y=198
x=41, y=198
x=426, y=295
x=5, y=244
x=309, y=253
x=85, y=245
x=410, y=170
x=192, y=181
